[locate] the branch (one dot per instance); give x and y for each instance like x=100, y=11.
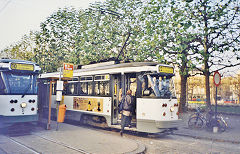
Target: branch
x=226, y=66
x=121, y=52
x=225, y=26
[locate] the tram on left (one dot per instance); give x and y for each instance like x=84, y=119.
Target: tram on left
x=18, y=91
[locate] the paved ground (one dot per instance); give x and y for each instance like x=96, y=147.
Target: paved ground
x=68, y=139
x=174, y=144
x=74, y=139
x=232, y=134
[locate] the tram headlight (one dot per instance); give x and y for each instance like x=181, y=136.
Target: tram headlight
x=23, y=105
x=171, y=108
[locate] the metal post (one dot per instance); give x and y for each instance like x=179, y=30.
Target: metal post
x=123, y=84
x=49, y=107
x=58, y=102
x=216, y=105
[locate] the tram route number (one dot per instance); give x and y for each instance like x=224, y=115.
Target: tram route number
x=26, y=67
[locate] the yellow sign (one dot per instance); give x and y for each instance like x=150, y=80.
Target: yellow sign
x=26, y=67
x=165, y=69
x=88, y=104
x=107, y=77
x=67, y=70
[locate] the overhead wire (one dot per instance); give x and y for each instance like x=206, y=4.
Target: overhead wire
x=6, y=4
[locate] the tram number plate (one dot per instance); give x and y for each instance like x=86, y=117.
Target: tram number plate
x=164, y=69
x=26, y=67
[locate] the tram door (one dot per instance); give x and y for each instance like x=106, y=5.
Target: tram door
x=131, y=83
x=116, y=86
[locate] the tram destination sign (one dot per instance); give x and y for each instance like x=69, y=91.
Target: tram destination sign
x=165, y=69
x=25, y=67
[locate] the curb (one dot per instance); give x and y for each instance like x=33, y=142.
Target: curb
x=231, y=114
x=207, y=138
x=140, y=150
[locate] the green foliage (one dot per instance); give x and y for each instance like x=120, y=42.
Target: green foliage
x=186, y=33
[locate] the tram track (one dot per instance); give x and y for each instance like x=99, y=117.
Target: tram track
x=63, y=144
x=18, y=134
x=24, y=146
x=35, y=151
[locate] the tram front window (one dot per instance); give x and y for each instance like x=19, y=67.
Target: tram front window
x=2, y=86
x=158, y=86
x=20, y=83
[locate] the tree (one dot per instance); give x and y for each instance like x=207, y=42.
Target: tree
x=199, y=29
x=21, y=49
x=83, y=36
x=170, y=33
x=94, y=34
x=218, y=26
x=56, y=41
x=113, y=27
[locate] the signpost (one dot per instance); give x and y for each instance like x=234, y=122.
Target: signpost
x=217, y=82
x=67, y=73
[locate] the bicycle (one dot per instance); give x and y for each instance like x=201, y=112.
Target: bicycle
x=198, y=120
x=216, y=121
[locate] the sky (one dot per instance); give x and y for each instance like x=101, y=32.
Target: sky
x=19, y=17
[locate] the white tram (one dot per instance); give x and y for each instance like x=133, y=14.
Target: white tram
x=18, y=91
x=93, y=95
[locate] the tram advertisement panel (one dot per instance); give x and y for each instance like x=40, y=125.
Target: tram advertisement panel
x=88, y=104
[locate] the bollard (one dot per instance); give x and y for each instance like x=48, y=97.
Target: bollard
x=61, y=113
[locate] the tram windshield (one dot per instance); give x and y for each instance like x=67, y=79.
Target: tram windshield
x=158, y=86
x=18, y=83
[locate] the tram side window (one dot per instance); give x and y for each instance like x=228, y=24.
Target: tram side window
x=102, y=88
x=72, y=88
x=133, y=86
x=86, y=88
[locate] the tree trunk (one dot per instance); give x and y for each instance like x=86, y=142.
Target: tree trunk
x=184, y=75
x=182, y=105
x=207, y=84
x=206, y=57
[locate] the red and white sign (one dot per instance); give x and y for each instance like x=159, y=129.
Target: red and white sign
x=67, y=66
x=217, y=78
x=68, y=70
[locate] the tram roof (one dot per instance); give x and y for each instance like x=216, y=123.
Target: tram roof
x=109, y=68
x=6, y=64
x=16, y=61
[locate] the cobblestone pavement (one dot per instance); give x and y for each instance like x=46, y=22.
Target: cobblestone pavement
x=232, y=134
x=175, y=144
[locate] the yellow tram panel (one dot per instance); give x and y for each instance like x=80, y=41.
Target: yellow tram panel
x=88, y=104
